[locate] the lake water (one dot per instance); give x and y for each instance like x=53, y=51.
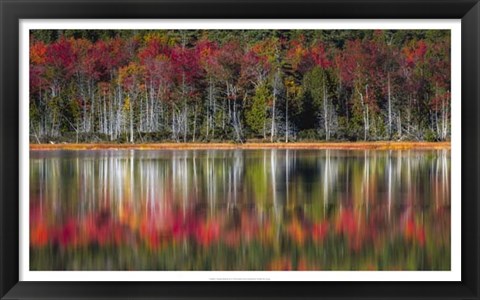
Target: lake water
x=240, y=210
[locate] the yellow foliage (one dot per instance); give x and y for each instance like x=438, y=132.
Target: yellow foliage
x=267, y=48
x=126, y=105
x=133, y=71
x=160, y=37
x=292, y=88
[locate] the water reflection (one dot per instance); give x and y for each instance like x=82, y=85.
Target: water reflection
x=240, y=210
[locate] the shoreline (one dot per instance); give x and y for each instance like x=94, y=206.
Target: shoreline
x=382, y=145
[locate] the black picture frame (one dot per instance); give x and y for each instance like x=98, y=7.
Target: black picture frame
x=14, y=10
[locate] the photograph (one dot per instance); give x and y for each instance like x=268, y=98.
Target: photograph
x=239, y=150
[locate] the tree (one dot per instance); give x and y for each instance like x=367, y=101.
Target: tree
x=413, y=61
x=294, y=68
x=438, y=62
x=256, y=115
x=317, y=83
x=38, y=84
x=155, y=59
x=230, y=61
x=186, y=70
x=209, y=52
x=189, y=85
x=268, y=53
x=130, y=78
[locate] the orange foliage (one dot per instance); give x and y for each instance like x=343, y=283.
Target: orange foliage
x=37, y=53
x=39, y=235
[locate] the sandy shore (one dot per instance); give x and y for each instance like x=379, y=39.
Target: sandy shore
x=316, y=145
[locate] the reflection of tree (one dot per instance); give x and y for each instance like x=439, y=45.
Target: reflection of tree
x=251, y=210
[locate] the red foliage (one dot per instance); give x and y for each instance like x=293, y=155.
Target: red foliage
x=296, y=53
x=415, y=53
x=253, y=68
x=320, y=231
x=320, y=56
x=61, y=58
x=414, y=232
x=352, y=226
x=67, y=235
x=185, y=64
x=351, y=61
x=440, y=102
x=153, y=48
x=109, y=56
x=230, y=58
x=37, y=78
x=346, y=222
x=39, y=231
x=208, y=232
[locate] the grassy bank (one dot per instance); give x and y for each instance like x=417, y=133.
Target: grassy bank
x=383, y=145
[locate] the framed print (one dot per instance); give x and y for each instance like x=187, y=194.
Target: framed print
x=239, y=149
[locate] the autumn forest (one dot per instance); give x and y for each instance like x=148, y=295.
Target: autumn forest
x=125, y=86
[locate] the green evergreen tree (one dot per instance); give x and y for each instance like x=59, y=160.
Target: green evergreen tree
x=256, y=113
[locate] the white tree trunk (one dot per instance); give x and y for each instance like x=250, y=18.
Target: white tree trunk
x=389, y=109
x=130, y=110
x=325, y=111
x=286, y=119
